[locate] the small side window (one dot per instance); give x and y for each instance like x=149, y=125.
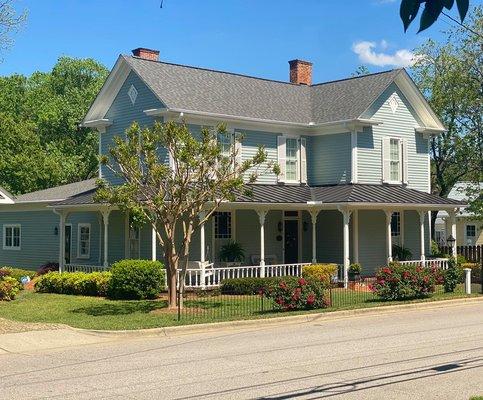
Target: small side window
x=84, y=241
x=12, y=237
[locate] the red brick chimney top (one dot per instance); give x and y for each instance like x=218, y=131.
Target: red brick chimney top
x=147, y=54
x=300, y=72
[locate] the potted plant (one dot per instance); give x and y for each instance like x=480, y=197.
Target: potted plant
x=355, y=271
x=232, y=253
x=401, y=253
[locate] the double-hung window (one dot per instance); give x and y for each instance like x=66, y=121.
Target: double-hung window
x=222, y=225
x=225, y=141
x=395, y=160
x=84, y=241
x=11, y=237
x=291, y=159
x=470, y=234
x=396, y=228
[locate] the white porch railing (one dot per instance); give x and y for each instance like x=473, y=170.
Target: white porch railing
x=210, y=277
x=440, y=263
x=84, y=268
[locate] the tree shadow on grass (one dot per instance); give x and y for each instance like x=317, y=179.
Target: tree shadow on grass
x=122, y=308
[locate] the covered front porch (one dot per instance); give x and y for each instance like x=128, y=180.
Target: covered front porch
x=280, y=229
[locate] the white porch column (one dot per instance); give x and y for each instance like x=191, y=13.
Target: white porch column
x=421, y=234
x=261, y=216
x=313, y=216
x=105, y=218
x=355, y=228
x=153, y=244
x=62, y=216
x=452, y=220
x=346, y=214
x=202, y=239
x=388, y=236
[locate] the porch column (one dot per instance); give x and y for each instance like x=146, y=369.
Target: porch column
x=202, y=238
x=452, y=220
x=355, y=228
x=261, y=216
x=388, y=236
x=153, y=244
x=313, y=216
x=62, y=216
x=346, y=214
x=105, y=218
x=421, y=234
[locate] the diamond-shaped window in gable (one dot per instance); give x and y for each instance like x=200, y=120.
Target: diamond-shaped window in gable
x=393, y=103
x=133, y=94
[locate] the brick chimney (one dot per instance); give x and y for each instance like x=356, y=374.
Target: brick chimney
x=300, y=72
x=147, y=54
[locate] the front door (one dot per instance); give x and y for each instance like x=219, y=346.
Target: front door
x=68, y=241
x=291, y=241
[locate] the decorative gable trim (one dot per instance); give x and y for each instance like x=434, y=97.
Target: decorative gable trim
x=5, y=197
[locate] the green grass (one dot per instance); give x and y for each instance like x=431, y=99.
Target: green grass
x=100, y=313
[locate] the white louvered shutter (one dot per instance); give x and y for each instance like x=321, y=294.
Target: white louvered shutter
x=303, y=160
x=405, y=161
x=386, y=158
x=281, y=143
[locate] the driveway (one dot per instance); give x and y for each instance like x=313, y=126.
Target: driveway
x=434, y=353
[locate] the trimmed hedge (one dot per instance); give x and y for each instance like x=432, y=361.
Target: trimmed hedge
x=74, y=283
x=136, y=279
x=19, y=273
x=247, y=286
x=322, y=272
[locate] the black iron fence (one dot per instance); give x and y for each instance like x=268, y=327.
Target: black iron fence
x=198, y=306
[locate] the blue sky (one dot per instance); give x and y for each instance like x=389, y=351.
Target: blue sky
x=252, y=37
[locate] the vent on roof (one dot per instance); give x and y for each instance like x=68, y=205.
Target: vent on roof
x=147, y=54
x=133, y=94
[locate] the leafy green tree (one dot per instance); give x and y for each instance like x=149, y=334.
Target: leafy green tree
x=361, y=70
x=432, y=10
x=51, y=105
x=450, y=77
x=177, y=199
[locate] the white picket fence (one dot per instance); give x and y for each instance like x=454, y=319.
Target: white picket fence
x=440, y=263
x=210, y=277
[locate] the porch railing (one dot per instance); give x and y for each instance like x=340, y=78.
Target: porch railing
x=84, y=268
x=440, y=263
x=210, y=277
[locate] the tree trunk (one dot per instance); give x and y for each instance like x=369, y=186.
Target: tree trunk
x=172, y=293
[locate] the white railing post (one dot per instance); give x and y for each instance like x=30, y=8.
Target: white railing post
x=203, y=275
x=467, y=280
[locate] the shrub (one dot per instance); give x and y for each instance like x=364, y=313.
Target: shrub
x=136, y=279
x=232, y=252
x=300, y=294
x=452, y=276
x=19, y=273
x=48, y=267
x=247, y=286
x=9, y=288
x=74, y=283
x=399, y=282
x=322, y=272
x=401, y=253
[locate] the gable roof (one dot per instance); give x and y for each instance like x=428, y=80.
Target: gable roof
x=219, y=93
x=57, y=193
x=6, y=197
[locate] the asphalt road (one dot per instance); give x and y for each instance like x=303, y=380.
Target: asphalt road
x=411, y=354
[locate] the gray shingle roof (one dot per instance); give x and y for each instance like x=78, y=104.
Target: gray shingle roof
x=337, y=194
x=198, y=89
x=57, y=193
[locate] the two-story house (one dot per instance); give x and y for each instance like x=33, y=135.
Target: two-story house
x=353, y=153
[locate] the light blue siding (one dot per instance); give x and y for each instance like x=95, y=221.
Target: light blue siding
x=123, y=113
x=94, y=219
x=39, y=244
x=117, y=237
x=251, y=141
x=400, y=124
x=329, y=236
x=329, y=159
x=372, y=240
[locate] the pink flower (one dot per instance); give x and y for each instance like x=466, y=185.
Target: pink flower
x=302, y=282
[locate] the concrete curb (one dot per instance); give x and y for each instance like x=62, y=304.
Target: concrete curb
x=174, y=331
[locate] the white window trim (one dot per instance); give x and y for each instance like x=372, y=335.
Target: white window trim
x=5, y=247
x=400, y=144
x=79, y=226
x=299, y=161
x=466, y=233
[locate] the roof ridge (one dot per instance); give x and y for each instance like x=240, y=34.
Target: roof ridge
x=257, y=77
x=56, y=187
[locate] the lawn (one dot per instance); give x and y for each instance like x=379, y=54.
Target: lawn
x=100, y=313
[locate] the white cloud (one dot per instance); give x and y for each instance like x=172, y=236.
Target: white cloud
x=368, y=55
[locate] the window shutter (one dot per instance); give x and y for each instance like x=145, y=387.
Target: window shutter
x=405, y=161
x=281, y=140
x=303, y=160
x=386, y=154
x=238, y=150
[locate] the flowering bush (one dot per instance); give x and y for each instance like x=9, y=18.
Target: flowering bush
x=300, y=294
x=322, y=272
x=399, y=282
x=9, y=287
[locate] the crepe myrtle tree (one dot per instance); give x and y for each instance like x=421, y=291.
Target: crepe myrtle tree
x=176, y=198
